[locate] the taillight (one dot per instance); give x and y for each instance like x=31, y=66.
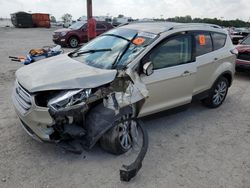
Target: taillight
x=234, y=51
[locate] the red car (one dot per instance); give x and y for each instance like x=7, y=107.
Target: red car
x=243, y=59
x=77, y=33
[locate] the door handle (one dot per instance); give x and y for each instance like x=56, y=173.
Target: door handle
x=186, y=73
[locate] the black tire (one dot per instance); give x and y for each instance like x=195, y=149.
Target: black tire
x=73, y=42
x=113, y=141
x=217, y=94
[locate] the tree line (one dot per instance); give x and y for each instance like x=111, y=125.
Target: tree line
x=220, y=22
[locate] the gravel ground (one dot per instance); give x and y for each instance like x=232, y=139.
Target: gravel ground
x=199, y=147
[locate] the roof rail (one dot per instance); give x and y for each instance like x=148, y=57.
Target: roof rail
x=195, y=25
x=136, y=22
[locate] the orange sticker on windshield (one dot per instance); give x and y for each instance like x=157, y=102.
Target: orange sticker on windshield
x=202, y=40
x=139, y=41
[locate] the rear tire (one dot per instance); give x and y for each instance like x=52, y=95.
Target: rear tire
x=217, y=94
x=73, y=42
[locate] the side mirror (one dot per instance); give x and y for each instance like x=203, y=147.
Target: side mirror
x=148, y=68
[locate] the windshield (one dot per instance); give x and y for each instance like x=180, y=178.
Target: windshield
x=77, y=25
x=114, y=49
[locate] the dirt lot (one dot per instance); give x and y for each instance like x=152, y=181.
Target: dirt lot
x=199, y=147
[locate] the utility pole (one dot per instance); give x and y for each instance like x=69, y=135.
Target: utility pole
x=91, y=21
x=89, y=9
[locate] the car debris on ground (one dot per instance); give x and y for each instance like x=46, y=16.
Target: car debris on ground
x=38, y=54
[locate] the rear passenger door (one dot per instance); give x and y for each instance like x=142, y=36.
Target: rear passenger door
x=208, y=55
x=205, y=60
x=83, y=34
x=172, y=81
x=100, y=28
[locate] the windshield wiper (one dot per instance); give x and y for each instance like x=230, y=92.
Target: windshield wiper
x=121, y=54
x=117, y=36
x=76, y=54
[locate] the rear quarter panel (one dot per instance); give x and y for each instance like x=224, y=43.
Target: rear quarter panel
x=226, y=62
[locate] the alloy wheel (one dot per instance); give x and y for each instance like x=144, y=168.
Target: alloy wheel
x=125, y=136
x=73, y=42
x=220, y=92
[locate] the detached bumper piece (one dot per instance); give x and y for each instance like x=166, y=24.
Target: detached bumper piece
x=130, y=171
x=96, y=122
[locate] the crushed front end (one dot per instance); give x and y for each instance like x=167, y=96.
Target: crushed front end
x=85, y=115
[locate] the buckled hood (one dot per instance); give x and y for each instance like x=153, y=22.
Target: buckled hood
x=62, y=72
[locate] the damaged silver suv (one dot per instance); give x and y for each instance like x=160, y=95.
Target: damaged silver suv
x=128, y=72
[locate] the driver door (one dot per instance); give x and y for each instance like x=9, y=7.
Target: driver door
x=83, y=34
x=172, y=81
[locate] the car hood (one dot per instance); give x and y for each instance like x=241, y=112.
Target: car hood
x=62, y=72
x=62, y=30
x=243, y=48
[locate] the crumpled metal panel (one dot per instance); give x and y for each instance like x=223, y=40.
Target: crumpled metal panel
x=62, y=72
x=135, y=91
x=99, y=120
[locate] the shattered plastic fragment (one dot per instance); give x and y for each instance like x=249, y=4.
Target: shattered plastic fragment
x=135, y=92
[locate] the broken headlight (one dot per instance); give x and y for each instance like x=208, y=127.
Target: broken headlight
x=69, y=98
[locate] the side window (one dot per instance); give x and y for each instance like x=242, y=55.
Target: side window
x=85, y=26
x=175, y=51
x=100, y=26
x=219, y=40
x=203, y=43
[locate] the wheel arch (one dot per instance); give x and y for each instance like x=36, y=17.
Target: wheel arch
x=228, y=75
x=226, y=70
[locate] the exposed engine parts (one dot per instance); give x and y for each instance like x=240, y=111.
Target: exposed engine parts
x=86, y=115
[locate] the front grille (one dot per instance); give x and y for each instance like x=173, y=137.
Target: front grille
x=56, y=35
x=244, y=56
x=22, y=97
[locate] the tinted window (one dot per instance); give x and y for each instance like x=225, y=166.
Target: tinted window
x=100, y=26
x=203, y=43
x=219, y=40
x=126, y=33
x=172, y=52
x=77, y=25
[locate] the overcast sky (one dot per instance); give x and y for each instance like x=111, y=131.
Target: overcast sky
x=226, y=9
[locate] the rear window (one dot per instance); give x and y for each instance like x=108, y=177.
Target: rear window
x=203, y=43
x=219, y=40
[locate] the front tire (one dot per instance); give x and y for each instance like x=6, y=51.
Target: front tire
x=119, y=139
x=73, y=42
x=218, y=93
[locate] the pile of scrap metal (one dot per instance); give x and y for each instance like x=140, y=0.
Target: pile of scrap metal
x=38, y=54
x=100, y=110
